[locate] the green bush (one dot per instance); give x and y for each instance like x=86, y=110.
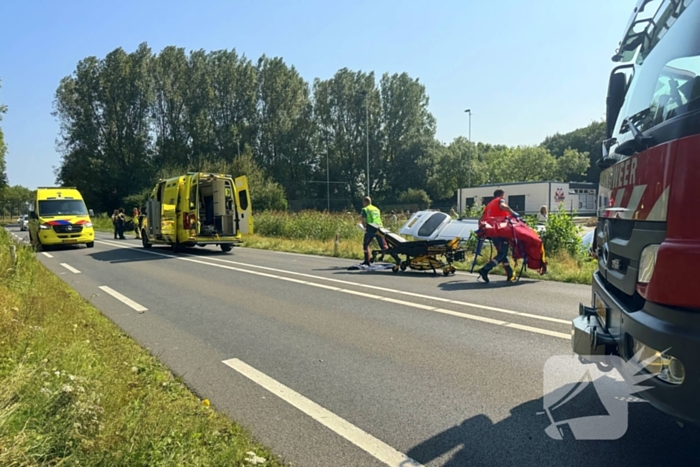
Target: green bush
x=562, y=234
x=417, y=197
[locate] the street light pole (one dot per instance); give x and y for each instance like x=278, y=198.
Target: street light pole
x=469, y=111
x=367, y=136
x=328, y=181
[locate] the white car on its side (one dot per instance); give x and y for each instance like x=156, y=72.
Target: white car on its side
x=24, y=223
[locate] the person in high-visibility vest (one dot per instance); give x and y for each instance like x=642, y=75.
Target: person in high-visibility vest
x=136, y=219
x=371, y=215
x=497, y=208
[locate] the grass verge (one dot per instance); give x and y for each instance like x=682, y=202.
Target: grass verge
x=75, y=390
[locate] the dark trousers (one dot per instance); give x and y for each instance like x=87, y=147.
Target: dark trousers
x=369, y=236
x=501, y=245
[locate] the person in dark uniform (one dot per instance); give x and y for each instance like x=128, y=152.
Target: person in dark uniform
x=121, y=224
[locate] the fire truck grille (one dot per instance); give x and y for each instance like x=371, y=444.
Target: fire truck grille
x=622, y=228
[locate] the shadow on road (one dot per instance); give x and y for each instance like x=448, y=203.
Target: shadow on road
x=652, y=439
x=119, y=255
x=130, y=255
x=497, y=282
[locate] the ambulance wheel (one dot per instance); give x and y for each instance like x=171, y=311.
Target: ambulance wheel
x=90, y=244
x=144, y=240
x=395, y=269
x=226, y=248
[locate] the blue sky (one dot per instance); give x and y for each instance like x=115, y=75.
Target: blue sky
x=526, y=68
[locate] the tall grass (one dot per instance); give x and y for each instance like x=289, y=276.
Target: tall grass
x=74, y=390
x=314, y=225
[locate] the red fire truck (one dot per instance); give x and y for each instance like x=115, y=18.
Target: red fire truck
x=646, y=294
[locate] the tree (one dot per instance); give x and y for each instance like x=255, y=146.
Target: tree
x=572, y=164
x=408, y=134
x=584, y=140
x=3, y=151
x=417, y=197
x=285, y=126
x=342, y=106
x=103, y=110
x=455, y=166
x=15, y=200
x=265, y=193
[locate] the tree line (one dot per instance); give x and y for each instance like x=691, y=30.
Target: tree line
x=130, y=118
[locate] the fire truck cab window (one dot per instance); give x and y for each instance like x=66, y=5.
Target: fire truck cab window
x=666, y=81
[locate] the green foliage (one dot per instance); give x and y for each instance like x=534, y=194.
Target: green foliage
x=572, y=165
x=15, y=199
x=562, y=234
x=265, y=194
x=584, y=140
x=416, y=197
x=74, y=390
x=308, y=225
x=127, y=118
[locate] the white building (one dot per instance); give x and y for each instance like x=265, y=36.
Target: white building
x=529, y=197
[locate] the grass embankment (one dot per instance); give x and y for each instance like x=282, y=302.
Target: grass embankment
x=314, y=233
x=75, y=390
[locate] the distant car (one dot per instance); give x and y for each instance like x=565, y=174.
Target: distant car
x=24, y=223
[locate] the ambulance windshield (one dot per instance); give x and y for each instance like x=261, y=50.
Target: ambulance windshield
x=62, y=207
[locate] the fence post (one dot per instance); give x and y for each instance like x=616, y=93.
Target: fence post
x=13, y=254
x=335, y=246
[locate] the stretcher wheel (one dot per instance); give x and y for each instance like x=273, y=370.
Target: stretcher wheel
x=395, y=269
x=446, y=272
x=453, y=269
x=403, y=266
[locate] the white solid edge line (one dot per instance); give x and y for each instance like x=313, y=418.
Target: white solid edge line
x=46, y=254
x=373, y=287
x=360, y=438
x=70, y=268
x=535, y=330
x=125, y=300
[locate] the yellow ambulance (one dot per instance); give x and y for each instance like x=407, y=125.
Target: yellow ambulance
x=198, y=209
x=59, y=217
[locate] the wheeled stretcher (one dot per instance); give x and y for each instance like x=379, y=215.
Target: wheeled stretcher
x=419, y=255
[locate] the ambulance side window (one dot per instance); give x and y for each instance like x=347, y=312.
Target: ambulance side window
x=243, y=197
x=159, y=195
x=193, y=196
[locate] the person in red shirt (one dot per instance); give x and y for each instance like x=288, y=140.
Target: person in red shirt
x=498, y=208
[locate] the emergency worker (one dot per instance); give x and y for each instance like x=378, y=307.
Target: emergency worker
x=115, y=219
x=371, y=215
x=497, y=208
x=121, y=224
x=136, y=219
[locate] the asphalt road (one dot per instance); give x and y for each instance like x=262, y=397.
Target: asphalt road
x=331, y=367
